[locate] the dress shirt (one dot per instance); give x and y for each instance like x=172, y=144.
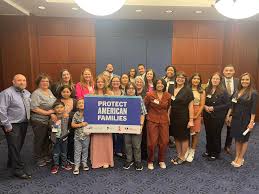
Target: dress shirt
x=231, y=82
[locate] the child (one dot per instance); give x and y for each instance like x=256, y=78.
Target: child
x=59, y=133
x=81, y=139
x=70, y=109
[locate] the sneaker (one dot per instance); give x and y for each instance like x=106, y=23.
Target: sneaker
x=76, y=170
x=67, y=167
x=70, y=162
x=162, y=165
x=138, y=166
x=54, y=169
x=150, y=166
x=191, y=155
x=205, y=154
x=85, y=166
x=212, y=158
x=41, y=163
x=127, y=165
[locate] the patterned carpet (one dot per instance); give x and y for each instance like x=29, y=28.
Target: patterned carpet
x=200, y=176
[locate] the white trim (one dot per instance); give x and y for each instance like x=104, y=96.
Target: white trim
x=130, y=129
x=18, y=7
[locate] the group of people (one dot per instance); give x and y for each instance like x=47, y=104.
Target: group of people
x=172, y=108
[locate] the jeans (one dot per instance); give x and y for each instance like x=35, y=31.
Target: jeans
x=81, y=149
x=117, y=142
x=60, y=150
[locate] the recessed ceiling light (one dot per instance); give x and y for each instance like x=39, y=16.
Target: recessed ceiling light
x=42, y=7
x=198, y=11
x=138, y=10
x=169, y=11
x=75, y=8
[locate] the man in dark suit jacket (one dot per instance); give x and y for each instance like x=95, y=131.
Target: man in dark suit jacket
x=230, y=83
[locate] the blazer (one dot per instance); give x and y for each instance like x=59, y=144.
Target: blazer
x=157, y=110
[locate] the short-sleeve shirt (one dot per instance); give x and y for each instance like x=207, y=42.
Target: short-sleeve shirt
x=42, y=101
x=79, y=132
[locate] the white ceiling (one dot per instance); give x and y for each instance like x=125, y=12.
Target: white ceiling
x=151, y=9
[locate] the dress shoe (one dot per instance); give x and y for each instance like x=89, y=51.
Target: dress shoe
x=23, y=176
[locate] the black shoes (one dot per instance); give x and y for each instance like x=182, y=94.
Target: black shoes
x=127, y=165
x=23, y=175
x=138, y=166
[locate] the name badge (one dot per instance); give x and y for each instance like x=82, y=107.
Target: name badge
x=234, y=100
x=208, y=96
x=54, y=130
x=173, y=97
x=156, y=101
x=171, y=82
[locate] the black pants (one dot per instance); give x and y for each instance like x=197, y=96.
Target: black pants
x=15, y=140
x=70, y=145
x=42, y=143
x=144, y=142
x=213, y=128
x=228, y=141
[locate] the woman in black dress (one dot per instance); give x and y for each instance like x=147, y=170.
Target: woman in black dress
x=242, y=115
x=215, y=110
x=181, y=117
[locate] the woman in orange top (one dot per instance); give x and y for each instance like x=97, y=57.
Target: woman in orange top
x=157, y=104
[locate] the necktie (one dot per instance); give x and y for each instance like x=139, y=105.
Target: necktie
x=228, y=87
x=26, y=104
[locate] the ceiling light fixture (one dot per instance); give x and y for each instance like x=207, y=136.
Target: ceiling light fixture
x=237, y=9
x=42, y=7
x=168, y=11
x=198, y=11
x=138, y=10
x=100, y=7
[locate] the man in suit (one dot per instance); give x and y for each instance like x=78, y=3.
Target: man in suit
x=141, y=70
x=230, y=83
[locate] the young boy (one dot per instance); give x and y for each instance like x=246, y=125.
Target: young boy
x=59, y=133
x=81, y=139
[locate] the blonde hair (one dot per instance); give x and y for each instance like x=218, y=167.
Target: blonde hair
x=82, y=80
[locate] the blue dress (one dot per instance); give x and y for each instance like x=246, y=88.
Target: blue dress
x=242, y=108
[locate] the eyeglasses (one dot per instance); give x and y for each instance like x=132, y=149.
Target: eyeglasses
x=131, y=89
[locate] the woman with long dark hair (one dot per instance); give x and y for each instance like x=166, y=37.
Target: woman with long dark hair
x=242, y=116
x=150, y=78
x=181, y=117
x=215, y=110
x=198, y=105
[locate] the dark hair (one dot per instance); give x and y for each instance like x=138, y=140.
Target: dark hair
x=57, y=103
x=145, y=78
x=199, y=88
x=64, y=87
x=60, y=82
x=181, y=73
x=163, y=82
x=250, y=88
x=127, y=87
x=220, y=89
x=228, y=65
x=141, y=65
x=41, y=77
x=124, y=74
x=135, y=72
x=167, y=67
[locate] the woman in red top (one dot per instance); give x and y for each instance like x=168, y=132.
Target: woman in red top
x=157, y=104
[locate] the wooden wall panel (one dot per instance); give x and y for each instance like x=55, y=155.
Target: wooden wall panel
x=52, y=69
x=81, y=27
x=52, y=26
x=207, y=70
x=188, y=69
x=185, y=29
x=209, y=29
x=81, y=49
x=53, y=49
x=209, y=51
x=184, y=51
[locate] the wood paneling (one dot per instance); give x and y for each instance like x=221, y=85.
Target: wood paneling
x=184, y=51
x=185, y=29
x=52, y=27
x=76, y=70
x=81, y=49
x=81, y=27
x=53, y=49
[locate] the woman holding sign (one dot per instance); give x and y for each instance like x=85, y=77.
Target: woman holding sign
x=157, y=104
x=101, y=144
x=242, y=115
x=115, y=85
